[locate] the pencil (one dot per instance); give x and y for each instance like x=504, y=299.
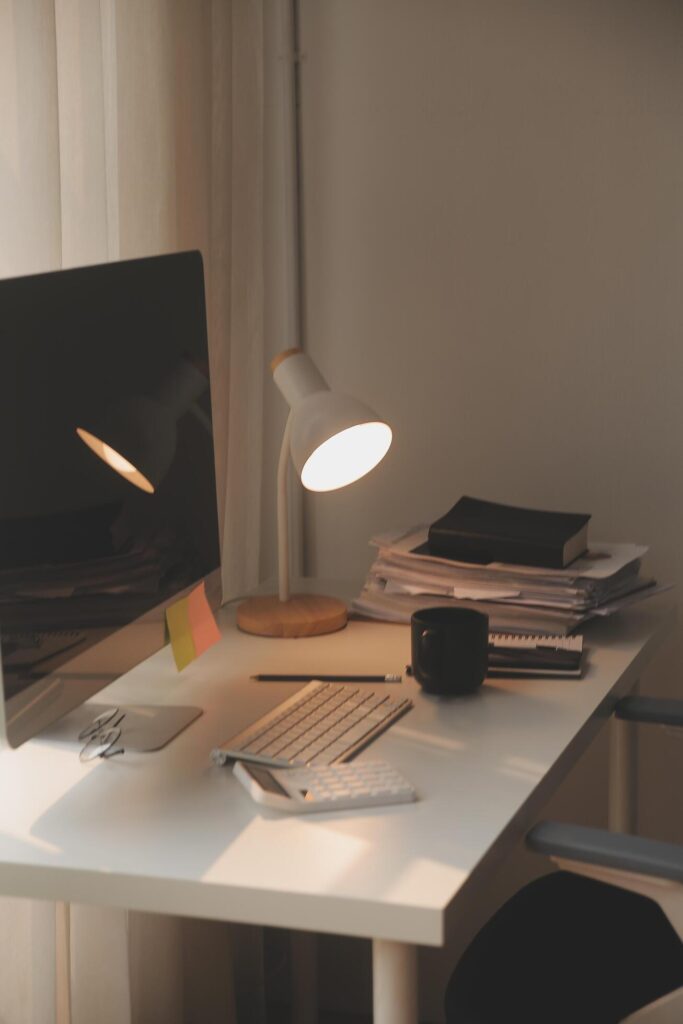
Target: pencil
x=273, y=678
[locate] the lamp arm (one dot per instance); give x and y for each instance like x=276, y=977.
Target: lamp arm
x=283, y=514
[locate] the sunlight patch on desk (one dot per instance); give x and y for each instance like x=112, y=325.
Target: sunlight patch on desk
x=423, y=882
x=46, y=772
x=269, y=841
x=523, y=768
x=16, y=835
x=426, y=739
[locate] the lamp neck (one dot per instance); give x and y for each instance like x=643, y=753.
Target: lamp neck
x=297, y=376
x=283, y=515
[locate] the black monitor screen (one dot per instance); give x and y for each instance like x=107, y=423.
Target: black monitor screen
x=107, y=480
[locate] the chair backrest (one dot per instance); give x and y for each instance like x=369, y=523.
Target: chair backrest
x=644, y=866
x=664, y=891
x=667, y=1010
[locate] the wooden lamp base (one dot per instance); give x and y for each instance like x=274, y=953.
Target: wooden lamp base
x=301, y=615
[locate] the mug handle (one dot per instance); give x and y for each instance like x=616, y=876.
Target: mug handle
x=430, y=651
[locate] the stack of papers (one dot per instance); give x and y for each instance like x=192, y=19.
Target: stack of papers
x=517, y=598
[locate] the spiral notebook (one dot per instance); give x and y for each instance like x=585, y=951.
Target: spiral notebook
x=527, y=654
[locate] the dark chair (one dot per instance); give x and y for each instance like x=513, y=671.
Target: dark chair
x=598, y=942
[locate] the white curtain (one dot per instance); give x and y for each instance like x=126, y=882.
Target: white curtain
x=132, y=127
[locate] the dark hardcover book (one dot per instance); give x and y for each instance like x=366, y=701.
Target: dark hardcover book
x=483, y=531
x=509, y=661
x=529, y=654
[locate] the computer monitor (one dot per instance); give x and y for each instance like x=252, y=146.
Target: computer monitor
x=108, y=508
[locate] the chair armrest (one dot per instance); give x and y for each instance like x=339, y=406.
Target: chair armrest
x=608, y=849
x=657, y=710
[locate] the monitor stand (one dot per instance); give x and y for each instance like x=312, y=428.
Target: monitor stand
x=148, y=727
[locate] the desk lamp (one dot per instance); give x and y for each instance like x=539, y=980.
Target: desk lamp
x=333, y=440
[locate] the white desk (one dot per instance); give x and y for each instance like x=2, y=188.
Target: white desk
x=169, y=832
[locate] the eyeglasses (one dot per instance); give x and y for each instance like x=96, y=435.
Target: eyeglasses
x=102, y=735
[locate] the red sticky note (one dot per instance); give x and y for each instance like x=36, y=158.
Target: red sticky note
x=203, y=626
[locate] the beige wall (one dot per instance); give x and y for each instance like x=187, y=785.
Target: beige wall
x=494, y=260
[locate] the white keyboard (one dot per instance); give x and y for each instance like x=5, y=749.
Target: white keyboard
x=321, y=724
x=334, y=787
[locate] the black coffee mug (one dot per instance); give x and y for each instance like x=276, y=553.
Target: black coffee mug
x=449, y=649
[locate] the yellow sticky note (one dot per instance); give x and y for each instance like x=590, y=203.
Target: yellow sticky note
x=180, y=631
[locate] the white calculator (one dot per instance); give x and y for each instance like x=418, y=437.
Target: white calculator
x=333, y=787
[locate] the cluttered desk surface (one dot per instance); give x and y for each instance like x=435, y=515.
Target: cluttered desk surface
x=170, y=832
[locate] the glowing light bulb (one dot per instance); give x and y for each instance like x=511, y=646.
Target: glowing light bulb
x=347, y=456
x=115, y=461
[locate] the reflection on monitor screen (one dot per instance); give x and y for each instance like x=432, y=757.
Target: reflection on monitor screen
x=108, y=505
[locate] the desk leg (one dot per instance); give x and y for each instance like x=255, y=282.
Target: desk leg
x=63, y=962
x=394, y=982
x=623, y=775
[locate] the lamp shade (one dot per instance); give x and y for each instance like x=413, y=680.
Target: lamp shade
x=335, y=439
